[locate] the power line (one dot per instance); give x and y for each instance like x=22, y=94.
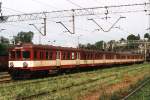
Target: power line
x=96, y=1
x=133, y=11
x=66, y=13
x=110, y=27
x=18, y=25
x=79, y=28
x=13, y=10
x=117, y=6
x=73, y=16
x=73, y=3
x=44, y=4
x=39, y=16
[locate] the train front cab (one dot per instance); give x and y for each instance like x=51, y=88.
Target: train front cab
x=19, y=60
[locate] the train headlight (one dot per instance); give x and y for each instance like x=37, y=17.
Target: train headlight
x=25, y=65
x=11, y=64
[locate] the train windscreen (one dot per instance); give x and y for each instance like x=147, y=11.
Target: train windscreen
x=26, y=54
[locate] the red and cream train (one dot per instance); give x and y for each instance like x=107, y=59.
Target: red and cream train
x=28, y=58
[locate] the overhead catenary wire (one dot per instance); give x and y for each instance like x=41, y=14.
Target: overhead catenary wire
x=73, y=3
x=117, y=6
x=44, y=4
x=13, y=10
x=39, y=16
x=73, y=16
x=13, y=25
x=78, y=28
x=96, y=1
x=33, y=16
x=82, y=9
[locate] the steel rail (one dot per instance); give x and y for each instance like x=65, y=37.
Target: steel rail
x=137, y=89
x=5, y=77
x=67, y=87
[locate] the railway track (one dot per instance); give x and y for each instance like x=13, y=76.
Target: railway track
x=136, y=89
x=5, y=77
x=33, y=96
x=44, y=93
x=68, y=87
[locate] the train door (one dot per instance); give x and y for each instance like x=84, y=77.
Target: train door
x=78, y=58
x=58, y=62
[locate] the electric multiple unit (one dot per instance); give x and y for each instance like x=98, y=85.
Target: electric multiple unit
x=27, y=58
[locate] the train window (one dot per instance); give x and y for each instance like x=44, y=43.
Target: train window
x=35, y=54
x=47, y=55
x=96, y=55
x=51, y=55
x=108, y=56
x=68, y=55
x=63, y=56
x=83, y=56
x=18, y=54
x=26, y=54
x=118, y=56
x=101, y=56
x=90, y=56
x=12, y=54
x=73, y=55
x=77, y=55
x=41, y=55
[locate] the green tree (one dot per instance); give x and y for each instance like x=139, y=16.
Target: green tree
x=111, y=44
x=81, y=46
x=122, y=40
x=132, y=41
x=147, y=35
x=133, y=37
x=90, y=46
x=3, y=49
x=138, y=37
x=100, y=45
x=4, y=44
x=24, y=37
x=4, y=40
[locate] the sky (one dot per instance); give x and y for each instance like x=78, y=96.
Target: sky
x=86, y=31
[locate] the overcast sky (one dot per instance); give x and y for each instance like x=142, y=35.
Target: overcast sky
x=134, y=23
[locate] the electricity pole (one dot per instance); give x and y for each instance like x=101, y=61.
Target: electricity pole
x=44, y=26
x=1, y=8
x=78, y=37
x=73, y=23
x=149, y=17
x=73, y=19
x=39, y=30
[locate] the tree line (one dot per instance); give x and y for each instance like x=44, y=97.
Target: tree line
x=132, y=42
x=21, y=37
